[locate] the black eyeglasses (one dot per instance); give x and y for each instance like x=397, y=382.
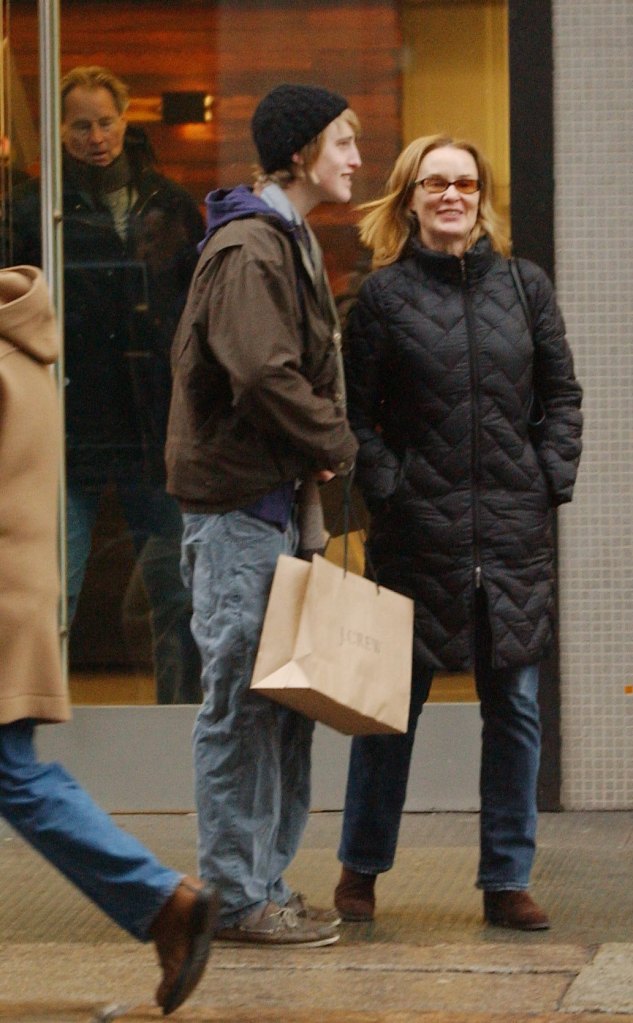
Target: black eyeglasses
x=435, y=184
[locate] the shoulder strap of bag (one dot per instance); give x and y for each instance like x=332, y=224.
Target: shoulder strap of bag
x=536, y=416
x=518, y=284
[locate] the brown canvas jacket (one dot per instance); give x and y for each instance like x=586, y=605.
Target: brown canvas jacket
x=254, y=364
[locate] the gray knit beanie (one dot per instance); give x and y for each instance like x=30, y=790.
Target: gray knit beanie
x=288, y=118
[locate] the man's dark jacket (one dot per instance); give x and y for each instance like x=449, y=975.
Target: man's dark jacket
x=116, y=341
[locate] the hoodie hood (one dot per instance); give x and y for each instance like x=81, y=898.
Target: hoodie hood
x=27, y=320
x=224, y=205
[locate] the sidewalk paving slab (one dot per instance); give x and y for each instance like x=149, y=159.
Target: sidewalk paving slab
x=74, y=1012
x=605, y=984
x=404, y=984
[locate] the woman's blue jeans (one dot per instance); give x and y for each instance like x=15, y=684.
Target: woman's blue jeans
x=510, y=754
x=49, y=809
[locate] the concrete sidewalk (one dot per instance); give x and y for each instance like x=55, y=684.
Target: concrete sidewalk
x=427, y=959
x=349, y=983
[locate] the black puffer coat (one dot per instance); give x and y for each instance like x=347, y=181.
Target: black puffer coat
x=440, y=368
x=118, y=323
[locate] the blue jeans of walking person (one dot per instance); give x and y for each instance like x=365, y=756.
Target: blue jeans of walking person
x=510, y=755
x=251, y=756
x=56, y=816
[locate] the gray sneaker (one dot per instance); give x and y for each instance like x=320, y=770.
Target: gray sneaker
x=305, y=911
x=277, y=925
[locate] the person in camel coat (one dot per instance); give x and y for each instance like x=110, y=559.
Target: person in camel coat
x=44, y=804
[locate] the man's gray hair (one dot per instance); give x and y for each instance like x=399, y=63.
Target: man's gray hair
x=95, y=77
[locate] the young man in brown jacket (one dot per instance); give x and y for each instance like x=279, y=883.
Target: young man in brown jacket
x=257, y=417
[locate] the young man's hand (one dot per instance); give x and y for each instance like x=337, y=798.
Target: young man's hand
x=324, y=476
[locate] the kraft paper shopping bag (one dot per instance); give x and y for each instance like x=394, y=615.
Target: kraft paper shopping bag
x=336, y=647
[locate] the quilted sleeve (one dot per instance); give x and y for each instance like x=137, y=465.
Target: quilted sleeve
x=556, y=387
x=366, y=338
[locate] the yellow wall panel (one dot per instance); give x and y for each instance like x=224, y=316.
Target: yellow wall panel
x=456, y=76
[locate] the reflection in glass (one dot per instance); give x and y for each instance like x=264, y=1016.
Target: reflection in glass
x=129, y=251
x=129, y=283
x=19, y=147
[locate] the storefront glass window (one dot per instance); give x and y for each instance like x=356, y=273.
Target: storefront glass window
x=135, y=178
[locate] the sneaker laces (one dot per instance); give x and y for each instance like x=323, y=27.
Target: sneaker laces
x=299, y=903
x=287, y=917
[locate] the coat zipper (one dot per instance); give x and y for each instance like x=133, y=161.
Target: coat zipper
x=475, y=467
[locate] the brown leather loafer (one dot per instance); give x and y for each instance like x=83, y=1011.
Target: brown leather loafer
x=514, y=909
x=182, y=934
x=354, y=896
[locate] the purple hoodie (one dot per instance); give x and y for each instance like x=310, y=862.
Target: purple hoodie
x=227, y=204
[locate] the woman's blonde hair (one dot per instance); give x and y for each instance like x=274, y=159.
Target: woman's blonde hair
x=388, y=223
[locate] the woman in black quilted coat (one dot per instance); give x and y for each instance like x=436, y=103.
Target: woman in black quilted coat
x=461, y=391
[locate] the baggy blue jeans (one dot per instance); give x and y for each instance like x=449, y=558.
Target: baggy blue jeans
x=155, y=526
x=251, y=756
x=55, y=815
x=510, y=754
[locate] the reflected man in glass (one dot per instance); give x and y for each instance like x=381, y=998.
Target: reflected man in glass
x=121, y=308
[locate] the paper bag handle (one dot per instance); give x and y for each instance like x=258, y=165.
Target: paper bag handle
x=349, y=517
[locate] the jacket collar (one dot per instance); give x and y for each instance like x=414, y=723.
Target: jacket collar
x=475, y=263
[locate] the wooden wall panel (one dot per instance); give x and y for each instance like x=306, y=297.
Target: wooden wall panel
x=238, y=50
